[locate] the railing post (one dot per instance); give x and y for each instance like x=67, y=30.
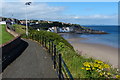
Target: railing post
x=54, y=56
x=45, y=42
x=35, y=37
x=32, y=36
x=60, y=65
x=49, y=46
x=29, y=36
x=52, y=49
x=40, y=39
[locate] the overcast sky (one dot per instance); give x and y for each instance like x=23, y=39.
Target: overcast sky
x=71, y=12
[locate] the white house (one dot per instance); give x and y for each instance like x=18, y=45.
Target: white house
x=51, y=29
x=2, y=22
x=65, y=29
x=37, y=23
x=38, y=29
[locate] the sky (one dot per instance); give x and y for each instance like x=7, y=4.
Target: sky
x=84, y=13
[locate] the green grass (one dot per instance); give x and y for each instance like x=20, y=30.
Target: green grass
x=19, y=28
x=4, y=35
x=73, y=60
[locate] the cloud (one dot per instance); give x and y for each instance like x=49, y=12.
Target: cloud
x=96, y=16
x=66, y=0
x=26, y=0
x=35, y=10
x=46, y=12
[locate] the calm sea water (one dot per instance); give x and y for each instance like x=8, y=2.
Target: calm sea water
x=110, y=39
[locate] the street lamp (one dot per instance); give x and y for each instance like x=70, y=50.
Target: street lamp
x=12, y=20
x=27, y=3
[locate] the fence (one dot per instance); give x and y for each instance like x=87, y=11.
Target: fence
x=59, y=64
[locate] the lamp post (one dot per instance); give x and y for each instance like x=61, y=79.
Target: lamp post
x=27, y=3
x=12, y=19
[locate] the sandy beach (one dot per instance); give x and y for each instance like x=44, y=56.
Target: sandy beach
x=103, y=52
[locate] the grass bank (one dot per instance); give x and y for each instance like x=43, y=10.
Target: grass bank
x=5, y=36
x=19, y=28
x=79, y=66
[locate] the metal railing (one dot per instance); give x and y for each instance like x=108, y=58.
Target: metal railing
x=58, y=62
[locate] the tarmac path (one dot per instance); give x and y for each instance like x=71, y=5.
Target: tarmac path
x=34, y=62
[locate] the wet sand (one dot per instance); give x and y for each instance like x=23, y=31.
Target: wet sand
x=103, y=52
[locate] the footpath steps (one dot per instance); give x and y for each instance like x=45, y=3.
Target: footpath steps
x=34, y=62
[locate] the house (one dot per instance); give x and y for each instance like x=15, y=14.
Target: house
x=22, y=22
x=63, y=29
x=37, y=22
x=38, y=29
x=50, y=22
x=66, y=29
x=3, y=22
x=53, y=29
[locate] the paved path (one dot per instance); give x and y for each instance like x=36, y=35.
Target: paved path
x=34, y=62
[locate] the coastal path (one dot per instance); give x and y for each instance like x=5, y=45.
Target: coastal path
x=34, y=62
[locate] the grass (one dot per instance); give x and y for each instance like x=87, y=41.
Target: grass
x=71, y=58
x=19, y=28
x=75, y=62
x=4, y=35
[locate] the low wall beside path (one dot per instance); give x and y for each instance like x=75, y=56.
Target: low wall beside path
x=12, y=49
x=12, y=32
x=6, y=47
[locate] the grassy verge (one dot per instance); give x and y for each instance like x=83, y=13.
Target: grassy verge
x=19, y=28
x=5, y=36
x=79, y=66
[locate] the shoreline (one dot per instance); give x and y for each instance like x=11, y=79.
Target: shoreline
x=98, y=51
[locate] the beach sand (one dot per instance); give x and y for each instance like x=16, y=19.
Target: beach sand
x=98, y=51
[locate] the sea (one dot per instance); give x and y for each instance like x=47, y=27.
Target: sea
x=110, y=39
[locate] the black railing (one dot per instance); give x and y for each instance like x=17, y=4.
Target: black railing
x=58, y=62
